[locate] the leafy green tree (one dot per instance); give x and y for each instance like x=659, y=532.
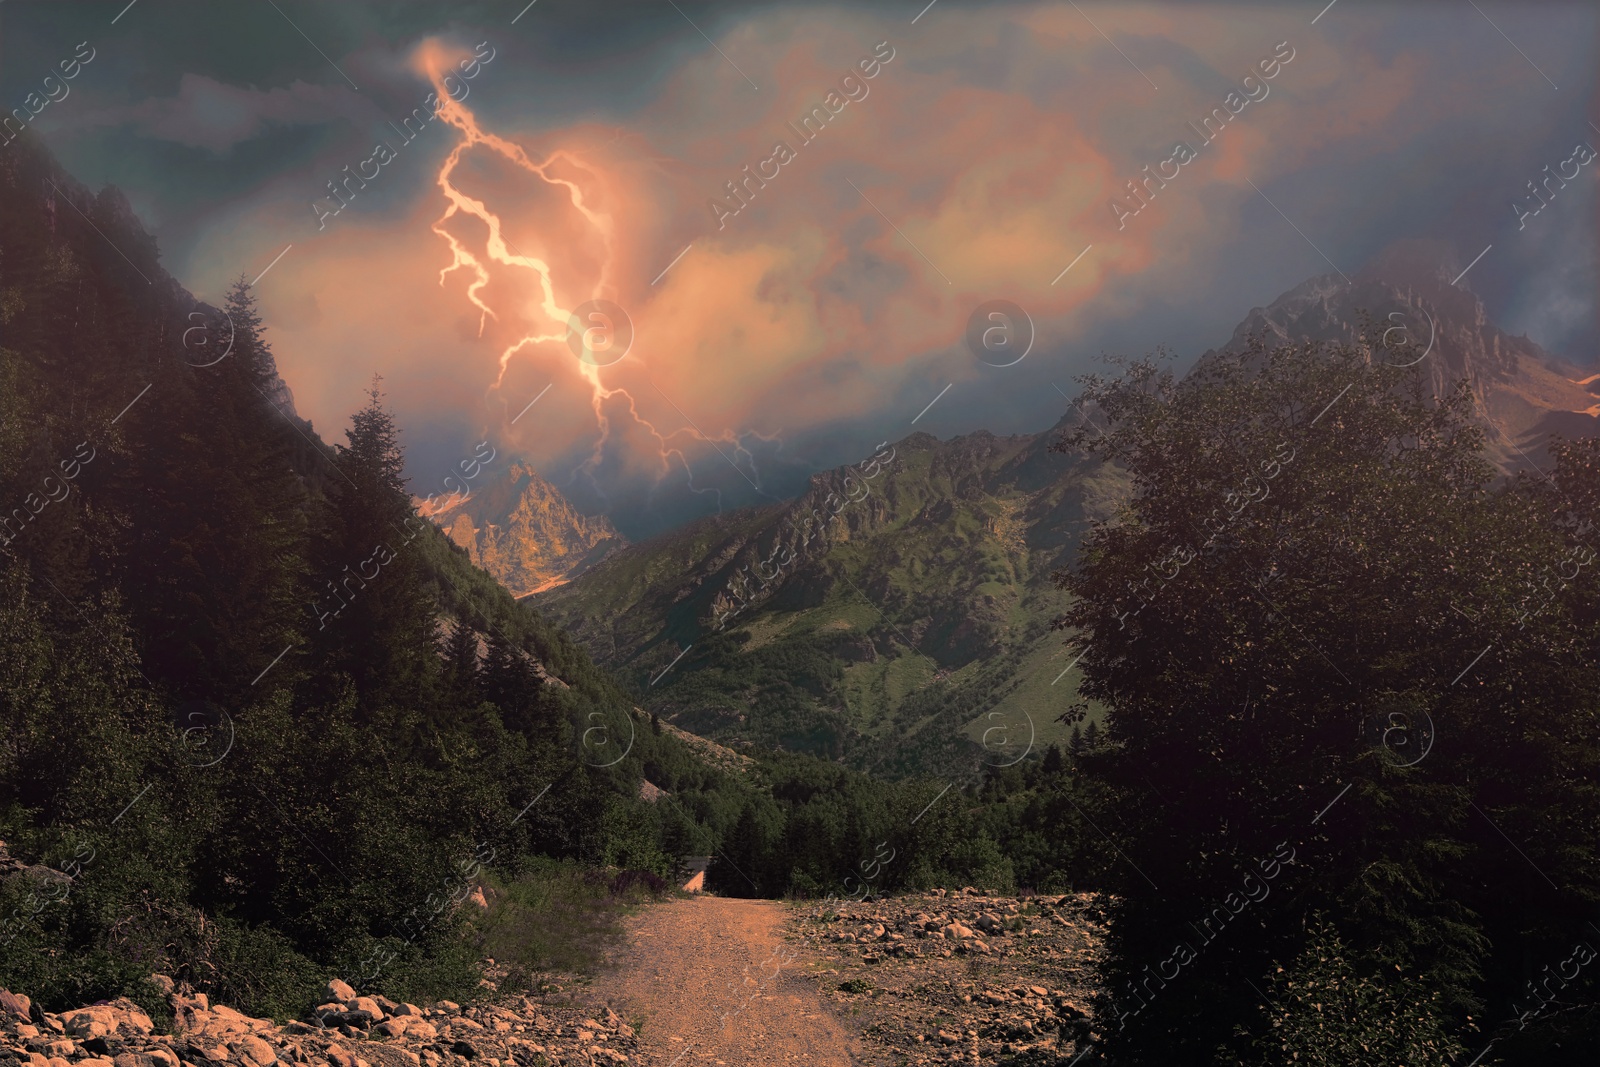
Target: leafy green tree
x=1326, y=1010
x=1316, y=578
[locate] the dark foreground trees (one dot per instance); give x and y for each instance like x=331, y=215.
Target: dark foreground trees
x=1353, y=703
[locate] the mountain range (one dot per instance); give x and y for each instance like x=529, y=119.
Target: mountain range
x=910, y=632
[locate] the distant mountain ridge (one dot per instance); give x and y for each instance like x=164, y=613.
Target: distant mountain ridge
x=520, y=529
x=904, y=632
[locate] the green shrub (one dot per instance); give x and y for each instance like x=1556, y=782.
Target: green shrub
x=1325, y=1010
x=556, y=916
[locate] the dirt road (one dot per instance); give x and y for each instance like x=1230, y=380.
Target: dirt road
x=709, y=981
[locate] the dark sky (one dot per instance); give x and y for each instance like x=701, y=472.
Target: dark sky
x=974, y=165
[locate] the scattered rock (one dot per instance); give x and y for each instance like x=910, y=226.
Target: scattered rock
x=349, y=1030
x=368, y=1005
x=1006, y=984
x=253, y=1050
x=15, y=1004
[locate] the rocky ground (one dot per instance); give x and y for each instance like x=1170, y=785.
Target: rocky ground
x=940, y=978
x=347, y=1031
x=959, y=977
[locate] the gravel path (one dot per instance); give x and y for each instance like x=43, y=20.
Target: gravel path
x=710, y=981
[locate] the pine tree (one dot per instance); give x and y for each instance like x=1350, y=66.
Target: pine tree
x=1053, y=763
x=527, y=705
x=461, y=664
x=374, y=619
x=215, y=571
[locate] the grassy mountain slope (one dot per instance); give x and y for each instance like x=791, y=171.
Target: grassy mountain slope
x=907, y=634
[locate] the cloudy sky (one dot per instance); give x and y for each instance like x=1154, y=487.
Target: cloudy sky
x=580, y=151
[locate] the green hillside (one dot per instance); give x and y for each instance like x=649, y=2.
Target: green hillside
x=910, y=634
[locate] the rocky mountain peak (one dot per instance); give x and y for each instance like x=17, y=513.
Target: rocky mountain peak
x=1524, y=393
x=524, y=532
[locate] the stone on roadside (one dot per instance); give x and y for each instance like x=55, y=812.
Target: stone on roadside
x=252, y=1050
x=368, y=1005
x=15, y=1004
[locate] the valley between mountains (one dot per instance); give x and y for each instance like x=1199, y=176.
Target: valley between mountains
x=298, y=767
x=908, y=630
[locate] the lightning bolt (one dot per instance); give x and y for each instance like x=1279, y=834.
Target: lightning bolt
x=499, y=251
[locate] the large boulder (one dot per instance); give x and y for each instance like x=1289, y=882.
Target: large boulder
x=255, y=1052
x=338, y=989
x=15, y=1004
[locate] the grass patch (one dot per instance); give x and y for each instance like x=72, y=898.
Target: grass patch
x=559, y=917
x=855, y=985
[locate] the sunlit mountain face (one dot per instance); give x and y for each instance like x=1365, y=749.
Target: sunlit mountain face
x=722, y=247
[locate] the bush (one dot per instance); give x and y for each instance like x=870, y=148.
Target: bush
x=556, y=916
x=1326, y=1011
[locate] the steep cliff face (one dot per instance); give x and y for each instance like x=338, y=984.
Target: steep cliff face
x=520, y=529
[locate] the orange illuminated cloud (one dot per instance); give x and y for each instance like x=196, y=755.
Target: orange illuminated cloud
x=977, y=163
